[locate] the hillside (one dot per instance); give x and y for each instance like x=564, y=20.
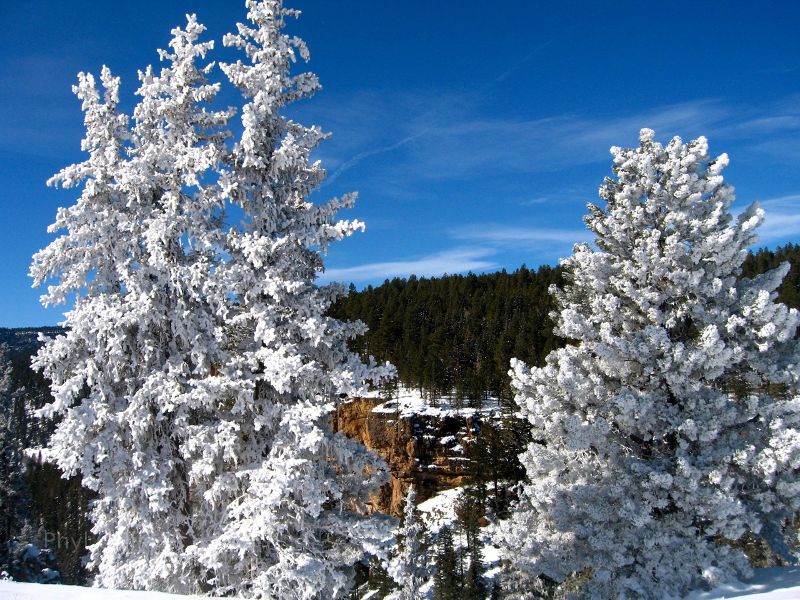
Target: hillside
x=24, y=340
x=457, y=333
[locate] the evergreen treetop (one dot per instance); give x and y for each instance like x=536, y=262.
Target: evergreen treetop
x=668, y=429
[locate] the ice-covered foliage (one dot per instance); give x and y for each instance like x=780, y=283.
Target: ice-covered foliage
x=198, y=368
x=284, y=489
x=669, y=428
x=409, y=566
x=136, y=257
x=28, y=563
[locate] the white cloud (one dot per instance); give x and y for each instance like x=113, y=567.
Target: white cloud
x=486, y=242
x=536, y=201
x=499, y=235
x=453, y=138
x=355, y=160
x=457, y=260
x=782, y=221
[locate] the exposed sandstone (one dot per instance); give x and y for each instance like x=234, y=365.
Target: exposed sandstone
x=426, y=451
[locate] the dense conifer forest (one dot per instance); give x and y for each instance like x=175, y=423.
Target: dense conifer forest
x=457, y=333
x=765, y=259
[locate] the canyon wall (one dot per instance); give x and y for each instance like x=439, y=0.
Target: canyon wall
x=428, y=451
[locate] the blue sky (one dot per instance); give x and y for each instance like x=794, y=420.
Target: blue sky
x=474, y=135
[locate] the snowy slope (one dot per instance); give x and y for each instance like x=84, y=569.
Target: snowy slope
x=782, y=583
x=440, y=511
x=778, y=583
x=34, y=591
x=408, y=402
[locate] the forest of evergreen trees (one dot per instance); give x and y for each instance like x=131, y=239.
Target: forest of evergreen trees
x=37, y=506
x=764, y=259
x=449, y=334
x=457, y=333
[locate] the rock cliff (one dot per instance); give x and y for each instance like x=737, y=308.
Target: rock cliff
x=426, y=450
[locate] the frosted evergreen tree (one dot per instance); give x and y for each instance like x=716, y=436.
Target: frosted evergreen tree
x=198, y=370
x=669, y=428
x=409, y=566
x=137, y=257
x=287, y=496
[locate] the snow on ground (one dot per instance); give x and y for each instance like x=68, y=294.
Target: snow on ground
x=10, y=590
x=408, y=402
x=440, y=511
x=777, y=583
x=780, y=583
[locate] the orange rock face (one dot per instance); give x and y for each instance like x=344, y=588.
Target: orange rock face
x=428, y=452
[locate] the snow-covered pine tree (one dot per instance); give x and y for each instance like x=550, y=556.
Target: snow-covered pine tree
x=198, y=369
x=410, y=567
x=669, y=428
x=286, y=495
x=137, y=257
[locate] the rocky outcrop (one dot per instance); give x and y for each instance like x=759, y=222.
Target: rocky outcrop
x=428, y=451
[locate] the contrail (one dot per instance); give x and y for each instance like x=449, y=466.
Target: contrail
x=349, y=164
x=367, y=153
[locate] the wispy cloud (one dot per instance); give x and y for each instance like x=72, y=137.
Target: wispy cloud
x=764, y=125
x=536, y=201
x=772, y=130
x=353, y=161
x=453, y=137
x=457, y=260
x=782, y=221
x=451, y=150
x=780, y=149
x=502, y=236
x=487, y=245
x=562, y=195
x=455, y=140
x=527, y=58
